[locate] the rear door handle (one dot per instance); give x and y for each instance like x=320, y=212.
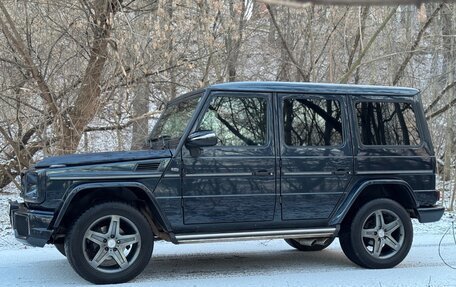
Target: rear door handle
x=341, y=172
x=262, y=173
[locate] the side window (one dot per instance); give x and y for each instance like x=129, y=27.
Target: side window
x=312, y=122
x=237, y=121
x=386, y=123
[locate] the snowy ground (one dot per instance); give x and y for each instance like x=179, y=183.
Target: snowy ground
x=7, y=239
x=256, y=263
x=263, y=263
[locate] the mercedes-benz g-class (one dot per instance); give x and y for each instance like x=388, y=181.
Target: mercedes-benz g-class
x=239, y=161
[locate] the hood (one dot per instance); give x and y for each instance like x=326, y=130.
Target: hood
x=102, y=157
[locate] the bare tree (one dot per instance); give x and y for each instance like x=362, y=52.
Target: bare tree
x=89, y=75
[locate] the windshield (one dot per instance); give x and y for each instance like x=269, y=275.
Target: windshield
x=169, y=128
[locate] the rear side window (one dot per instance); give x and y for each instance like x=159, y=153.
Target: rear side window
x=312, y=122
x=387, y=123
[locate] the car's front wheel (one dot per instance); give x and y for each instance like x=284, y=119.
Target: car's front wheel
x=109, y=243
x=379, y=235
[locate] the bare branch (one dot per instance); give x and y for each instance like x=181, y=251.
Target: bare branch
x=414, y=47
x=442, y=110
x=305, y=76
x=439, y=97
x=344, y=79
x=301, y=3
x=19, y=45
x=122, y=126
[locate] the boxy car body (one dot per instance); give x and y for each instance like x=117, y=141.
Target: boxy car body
x=249, y=160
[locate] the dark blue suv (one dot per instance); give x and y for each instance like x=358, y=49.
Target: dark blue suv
x=239, y=161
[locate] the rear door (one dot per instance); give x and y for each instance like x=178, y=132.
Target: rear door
x=315, y=154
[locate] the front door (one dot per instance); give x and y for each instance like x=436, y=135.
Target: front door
x=316, y=155
x=234, y=181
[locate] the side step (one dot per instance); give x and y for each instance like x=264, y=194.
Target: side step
x=255, y=235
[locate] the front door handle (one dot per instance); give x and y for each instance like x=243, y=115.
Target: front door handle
x=262, y=173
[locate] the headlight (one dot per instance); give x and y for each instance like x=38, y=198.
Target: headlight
x=30, y=186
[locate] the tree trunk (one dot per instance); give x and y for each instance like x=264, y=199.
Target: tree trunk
x=140, y=128
x=233, y=40
x=88, y=101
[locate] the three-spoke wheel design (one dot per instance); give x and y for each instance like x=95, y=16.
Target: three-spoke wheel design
x=379, y=235
x=109, y=243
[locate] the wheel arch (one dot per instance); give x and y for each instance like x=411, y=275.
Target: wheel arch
x=395, y=189
x=84, y=196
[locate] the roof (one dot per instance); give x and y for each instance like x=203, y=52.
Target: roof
x=318, y=88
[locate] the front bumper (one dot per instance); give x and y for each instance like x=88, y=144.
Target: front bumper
x=430, y=214
x=31, y=227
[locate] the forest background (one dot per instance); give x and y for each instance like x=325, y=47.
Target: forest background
x=93, y=75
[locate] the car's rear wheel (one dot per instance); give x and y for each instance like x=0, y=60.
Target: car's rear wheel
x=310, y=244
x=109, y=243
x=379, y=235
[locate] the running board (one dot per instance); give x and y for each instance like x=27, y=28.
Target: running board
x=255, y=235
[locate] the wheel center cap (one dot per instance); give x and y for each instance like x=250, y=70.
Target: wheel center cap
x=111, y=243
x=381, y=233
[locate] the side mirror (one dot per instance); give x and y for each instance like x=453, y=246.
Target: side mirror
x=201, y=139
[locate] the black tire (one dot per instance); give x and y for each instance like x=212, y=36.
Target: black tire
x=109, y=243
x=379, y=236
x=61, y=248
x=316, y=247
x=347, y=247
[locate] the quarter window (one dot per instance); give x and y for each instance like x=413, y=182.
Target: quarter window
x=312, y=122
x=237, y=121
x=387, y=123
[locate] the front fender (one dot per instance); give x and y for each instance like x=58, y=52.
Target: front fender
x=359, y=188
x=155, y=208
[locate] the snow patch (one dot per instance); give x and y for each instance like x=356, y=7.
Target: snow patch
x=7, y=239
